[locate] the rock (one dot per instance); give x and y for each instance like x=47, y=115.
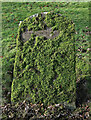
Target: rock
x=20, y=23
x=39, y=61
x=89, y=49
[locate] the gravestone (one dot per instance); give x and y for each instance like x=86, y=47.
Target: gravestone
x=44, y=68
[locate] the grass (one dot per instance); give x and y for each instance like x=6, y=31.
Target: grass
x=13, y=12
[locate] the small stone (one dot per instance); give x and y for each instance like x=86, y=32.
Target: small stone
x=20, y=23
x=86, y=27
x=50, y=106
x=45, y=12
x=76, y=32
x=50, y=35
x=8, y=93
x=87, y=114
x=89, y=49
x=57, y=105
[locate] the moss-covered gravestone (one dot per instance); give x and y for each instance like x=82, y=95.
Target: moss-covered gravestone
x=44, y=68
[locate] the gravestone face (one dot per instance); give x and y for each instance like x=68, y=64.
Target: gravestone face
x=44, y=68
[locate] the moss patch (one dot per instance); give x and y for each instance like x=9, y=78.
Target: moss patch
x=44, y=69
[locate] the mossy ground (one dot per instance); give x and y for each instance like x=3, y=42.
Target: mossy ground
x=44, y=69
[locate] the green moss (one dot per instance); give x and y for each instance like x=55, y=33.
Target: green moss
x=44, y=69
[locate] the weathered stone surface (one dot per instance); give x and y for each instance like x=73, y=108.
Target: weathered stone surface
x=46, y=33
x=44, y=69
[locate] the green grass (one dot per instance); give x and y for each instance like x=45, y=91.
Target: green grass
x=13, y=12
